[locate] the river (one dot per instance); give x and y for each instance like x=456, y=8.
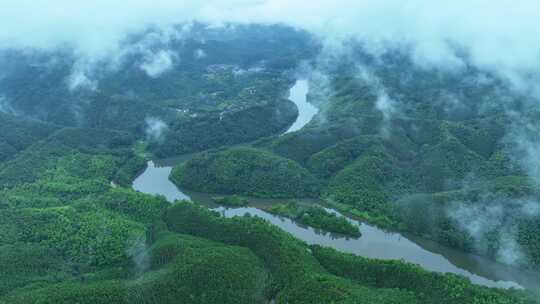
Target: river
x=374, y=242
x=306, y=111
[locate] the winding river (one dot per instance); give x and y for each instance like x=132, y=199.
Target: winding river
x=374, y=243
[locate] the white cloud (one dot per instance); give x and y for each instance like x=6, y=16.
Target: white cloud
x=158, y=63
x=81, y=76
x=199, y=54
x=155, y=129
x=387, y=106
x=495, y=218
x=5, y=106
x=499, y=36
x=80, y=80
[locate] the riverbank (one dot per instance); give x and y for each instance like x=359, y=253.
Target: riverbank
x=317, y=217
x=374, y=243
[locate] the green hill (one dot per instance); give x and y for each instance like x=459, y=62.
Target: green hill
x=245, y=171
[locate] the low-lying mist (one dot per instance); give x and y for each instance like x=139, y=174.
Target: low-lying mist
x=495, y=225
x=500, y=39
x=484, y=65
x=155, y=129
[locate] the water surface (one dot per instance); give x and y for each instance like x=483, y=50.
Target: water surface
x=306, y=111
x=155, y=181
x=374, y=242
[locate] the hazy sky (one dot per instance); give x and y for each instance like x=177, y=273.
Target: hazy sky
x=499, y=35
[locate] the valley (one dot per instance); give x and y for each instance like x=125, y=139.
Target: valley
x=373, y=243
x=110, y=176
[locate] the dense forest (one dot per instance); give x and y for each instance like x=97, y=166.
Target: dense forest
x=443, y=171
x=73, y=231
x=246, y=171
x=229, y=78
x=69, y=235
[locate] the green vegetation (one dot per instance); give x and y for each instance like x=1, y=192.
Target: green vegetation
x=245, y=171
x=316, y=217
x=428, y=287
x=67, y=236
x=191, y=134
x=298, y=276
x=233, y=122
x=500, y=204
x=413, y=169
x=71, y=230
x=179, y=268
x=231, y=201
x=233, y=94
x=19, y=134
x=305, y=274
x=362, y=184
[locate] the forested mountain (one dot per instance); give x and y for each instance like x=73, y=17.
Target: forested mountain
x=427, y=152
x=424, y=151
x=205, y=84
